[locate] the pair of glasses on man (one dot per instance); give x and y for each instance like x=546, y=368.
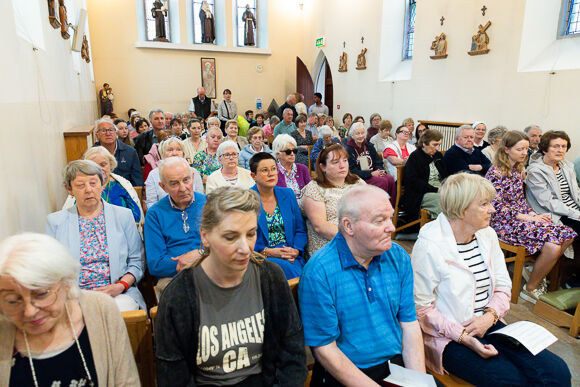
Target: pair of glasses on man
x=13, y=303
x=185, y=216
x=290, y=151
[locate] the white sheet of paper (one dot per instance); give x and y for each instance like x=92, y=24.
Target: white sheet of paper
x=405, y=377
x=534, y=337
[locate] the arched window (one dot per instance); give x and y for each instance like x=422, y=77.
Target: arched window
x=239, y=12
x=571, y=17
x=150, y=21
x=196, y=20
x=409, y=29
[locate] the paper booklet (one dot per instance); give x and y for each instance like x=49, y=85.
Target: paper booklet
x=405, y=377
x=532, y=336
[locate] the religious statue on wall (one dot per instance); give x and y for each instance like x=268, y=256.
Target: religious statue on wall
x=52, y=12
x=207, y=23
x=106, y=99
x=249, y=25
x=85, y=50
x=480, y=40
x=439, y=45
x=342, y=65
x=63, y=20
x=159, y=13
x=361, y=60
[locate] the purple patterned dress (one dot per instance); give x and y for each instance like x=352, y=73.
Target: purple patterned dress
x=510, y=202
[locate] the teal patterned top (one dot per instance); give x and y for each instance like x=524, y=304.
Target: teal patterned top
x=205, y=163
x=276, y=233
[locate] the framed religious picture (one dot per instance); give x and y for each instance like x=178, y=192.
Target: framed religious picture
x=208, y=76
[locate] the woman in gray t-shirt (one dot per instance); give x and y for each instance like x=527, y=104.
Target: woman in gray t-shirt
x=229, y=318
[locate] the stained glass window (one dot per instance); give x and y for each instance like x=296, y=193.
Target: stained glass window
x=410, y=30
x=572, y=20
x=240, y=9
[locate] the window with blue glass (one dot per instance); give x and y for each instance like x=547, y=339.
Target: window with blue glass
x=209, y=8
x=571, y=17
x=150, y=20
x=409, y=29
x=247, y=29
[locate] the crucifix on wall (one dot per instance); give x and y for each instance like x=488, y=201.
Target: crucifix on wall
x=483, y=9
x=442, y=20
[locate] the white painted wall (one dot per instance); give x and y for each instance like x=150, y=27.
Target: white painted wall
x=459, y=88
x=43, y=93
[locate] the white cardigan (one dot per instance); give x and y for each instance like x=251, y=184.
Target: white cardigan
x=216, y=180
x=392, y=170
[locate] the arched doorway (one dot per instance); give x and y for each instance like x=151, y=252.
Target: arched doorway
x=304, y=84
x=323, y=81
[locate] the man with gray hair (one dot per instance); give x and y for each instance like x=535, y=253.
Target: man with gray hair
x=289, y=104
x=172, y=238
x=145, y=140
x=534, y=133
x=356, y=297
x=463, y=156
x=128, y=165
x=286, y=126
x=201, y=106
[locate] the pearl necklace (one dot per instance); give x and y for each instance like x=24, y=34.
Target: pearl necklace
x=91, y=383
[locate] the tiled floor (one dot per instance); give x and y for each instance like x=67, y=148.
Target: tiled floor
x=567, y=347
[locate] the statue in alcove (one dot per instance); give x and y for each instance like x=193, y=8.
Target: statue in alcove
x=52, y=11
x=207, y=23
x=249, y=25
x=159, y=12
x=63, y=20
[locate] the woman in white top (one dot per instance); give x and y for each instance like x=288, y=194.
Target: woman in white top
x=153, y=191
x=195, y=143
x=227, y=109
x=230, y=174
x=398, y=151
x=383, y=138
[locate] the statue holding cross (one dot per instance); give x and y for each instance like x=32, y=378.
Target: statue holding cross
x=480, y=40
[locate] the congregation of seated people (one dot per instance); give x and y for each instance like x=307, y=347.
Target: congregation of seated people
x=231, y=207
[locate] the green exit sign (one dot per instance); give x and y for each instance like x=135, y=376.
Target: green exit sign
x=320, y=42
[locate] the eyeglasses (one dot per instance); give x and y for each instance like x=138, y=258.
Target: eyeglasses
x=185, y=216
x=405, y=132
x=43, y=298
x=110, y=130
x=229, y=155
x=290, y=151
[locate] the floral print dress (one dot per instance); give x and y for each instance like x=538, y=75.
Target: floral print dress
x=205, y=163
x=509, y=202
x=95, y=270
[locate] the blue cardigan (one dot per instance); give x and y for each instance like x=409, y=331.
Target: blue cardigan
x=294, y=226
x=456, y=160
x=125, y=247
x=164, y=235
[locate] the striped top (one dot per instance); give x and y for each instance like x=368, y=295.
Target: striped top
x=565, y=190
x=471, y=255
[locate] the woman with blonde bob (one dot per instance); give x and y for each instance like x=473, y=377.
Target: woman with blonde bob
x=52, y=333
x=229, y=286
x=516, y=223
x=462, y=290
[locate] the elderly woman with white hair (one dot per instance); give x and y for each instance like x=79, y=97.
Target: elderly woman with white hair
x=173, y=146
x=364, y=161
x=480, y=129
x=290, y=174
x=494, y=136
x=116, y=189
x=206, y=161
x=256, y=144
x=51, y=333
x=102, y=237
x=462, y=290
x=230, y=174
x=213, y=122
x=325, y=138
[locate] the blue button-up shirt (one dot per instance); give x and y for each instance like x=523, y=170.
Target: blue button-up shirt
x=358, y=308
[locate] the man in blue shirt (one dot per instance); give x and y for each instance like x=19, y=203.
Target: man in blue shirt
x=356, y=297
x=286, y=126
x=463, y=156
x=172, y=238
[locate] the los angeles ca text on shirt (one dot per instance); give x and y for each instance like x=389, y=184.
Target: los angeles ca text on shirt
x=230, y=341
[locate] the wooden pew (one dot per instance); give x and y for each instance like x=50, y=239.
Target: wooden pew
x=140, y=335
x=423, y=219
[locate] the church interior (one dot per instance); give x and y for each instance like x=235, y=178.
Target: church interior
x=364, y=57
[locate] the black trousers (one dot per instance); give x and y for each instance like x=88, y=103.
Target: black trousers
x=321, y=377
